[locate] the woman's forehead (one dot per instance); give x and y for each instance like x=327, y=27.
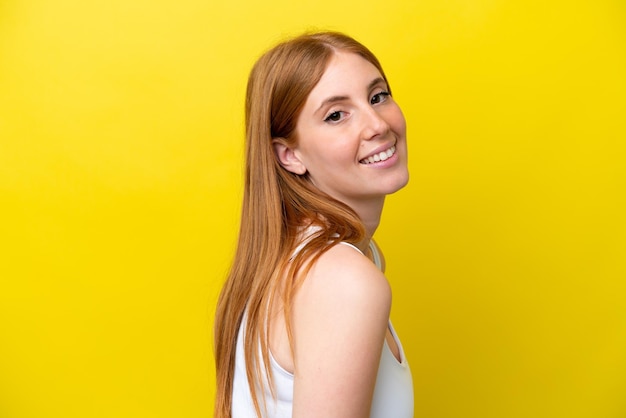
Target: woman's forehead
x=346, y=74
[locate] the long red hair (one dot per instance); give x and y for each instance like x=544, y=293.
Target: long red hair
x=277, y=205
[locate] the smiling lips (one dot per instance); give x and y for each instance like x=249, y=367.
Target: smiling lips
x=381, y=156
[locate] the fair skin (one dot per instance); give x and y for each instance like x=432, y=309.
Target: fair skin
x=351, y=140
x=348, y=118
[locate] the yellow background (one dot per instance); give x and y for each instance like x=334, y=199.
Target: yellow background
x=120, y=185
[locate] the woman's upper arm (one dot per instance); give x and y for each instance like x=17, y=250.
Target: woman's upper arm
x=340, y=318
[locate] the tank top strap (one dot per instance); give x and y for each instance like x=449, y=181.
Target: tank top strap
x=307, y=235
x=351, y=245
x=375, y=255
x=373, y=249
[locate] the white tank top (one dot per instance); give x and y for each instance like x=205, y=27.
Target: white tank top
x=393, y=393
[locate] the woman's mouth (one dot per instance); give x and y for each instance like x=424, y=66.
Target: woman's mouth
x=381, y=156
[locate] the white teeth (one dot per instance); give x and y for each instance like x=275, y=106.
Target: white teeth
x=381, y=156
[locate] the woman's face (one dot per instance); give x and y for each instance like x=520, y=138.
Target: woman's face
x=351, y=134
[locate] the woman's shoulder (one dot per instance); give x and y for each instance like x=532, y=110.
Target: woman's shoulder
x=340, y=317
x=344, y=274
x=347, y=259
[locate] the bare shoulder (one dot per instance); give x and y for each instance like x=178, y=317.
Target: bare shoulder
x=344, y=273
x=340, y=317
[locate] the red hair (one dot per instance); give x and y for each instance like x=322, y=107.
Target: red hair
x=277, y=205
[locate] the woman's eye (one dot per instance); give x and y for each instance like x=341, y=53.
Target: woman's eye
x=334, y=117
x=379, y=97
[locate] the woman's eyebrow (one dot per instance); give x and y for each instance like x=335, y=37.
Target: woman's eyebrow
x=376, y=81
x=335, y=99
x=330, y=100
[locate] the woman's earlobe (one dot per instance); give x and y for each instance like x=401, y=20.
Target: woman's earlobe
x=288, y=157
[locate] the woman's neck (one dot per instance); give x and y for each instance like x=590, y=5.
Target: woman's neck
x=370, y=213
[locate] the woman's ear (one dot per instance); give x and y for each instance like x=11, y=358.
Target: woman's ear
x=288, y=157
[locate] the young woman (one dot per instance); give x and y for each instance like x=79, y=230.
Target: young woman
x=302, y=324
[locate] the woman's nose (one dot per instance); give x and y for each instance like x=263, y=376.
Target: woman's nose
x=374, y=124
